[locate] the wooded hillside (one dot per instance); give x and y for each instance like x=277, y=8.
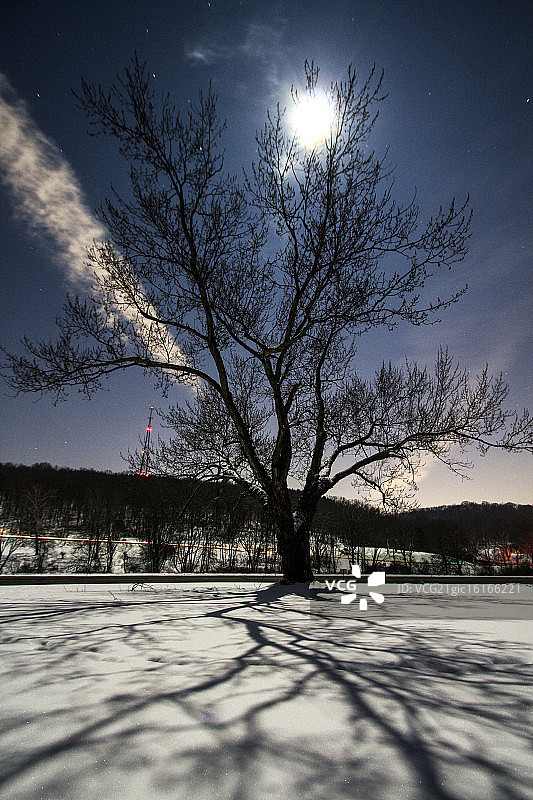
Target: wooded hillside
x=58, y=519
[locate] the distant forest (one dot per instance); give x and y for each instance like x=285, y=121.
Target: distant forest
x=58, y=519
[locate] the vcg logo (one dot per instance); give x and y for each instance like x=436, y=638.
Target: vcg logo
x=349, y=587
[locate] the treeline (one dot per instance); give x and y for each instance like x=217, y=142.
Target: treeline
x=86, y=521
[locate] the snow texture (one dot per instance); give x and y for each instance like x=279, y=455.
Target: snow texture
x=249, y=692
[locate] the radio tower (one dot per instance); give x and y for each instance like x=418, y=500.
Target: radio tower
x=145, y=460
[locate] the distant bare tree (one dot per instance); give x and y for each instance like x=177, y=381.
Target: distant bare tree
x=9, y=541
x=256, y=293
x=34, y=521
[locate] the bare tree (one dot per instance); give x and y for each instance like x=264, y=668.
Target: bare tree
x=255, y=293
x=35, y=522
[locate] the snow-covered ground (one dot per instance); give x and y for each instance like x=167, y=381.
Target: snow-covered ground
x=244, y=692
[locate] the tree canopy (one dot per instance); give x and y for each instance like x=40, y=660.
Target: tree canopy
x=254, y=292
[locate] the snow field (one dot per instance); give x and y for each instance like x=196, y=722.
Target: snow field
x=242, y=692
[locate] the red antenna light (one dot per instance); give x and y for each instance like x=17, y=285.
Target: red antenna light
x=145, y=460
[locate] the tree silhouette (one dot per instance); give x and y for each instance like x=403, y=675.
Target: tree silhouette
x=255, y=293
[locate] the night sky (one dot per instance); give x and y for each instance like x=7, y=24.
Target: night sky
x=458, y=120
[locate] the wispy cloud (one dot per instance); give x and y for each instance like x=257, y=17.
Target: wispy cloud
x=202, y=54
x=261, y=42
x=48, y=198
x=45, y=191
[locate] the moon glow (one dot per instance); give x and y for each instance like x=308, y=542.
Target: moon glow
x=312, y=119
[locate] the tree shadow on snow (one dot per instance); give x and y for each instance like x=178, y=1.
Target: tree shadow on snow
x=244, y=692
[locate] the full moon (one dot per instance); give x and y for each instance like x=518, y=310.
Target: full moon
x=312, y=119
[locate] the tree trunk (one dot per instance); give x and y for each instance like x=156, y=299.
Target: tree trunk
x=295, y=557
x=293, y=543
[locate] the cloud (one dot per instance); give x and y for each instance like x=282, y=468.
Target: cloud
x=203, y=54
x=261, y=42
x=48, y=198
x=46, y=193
